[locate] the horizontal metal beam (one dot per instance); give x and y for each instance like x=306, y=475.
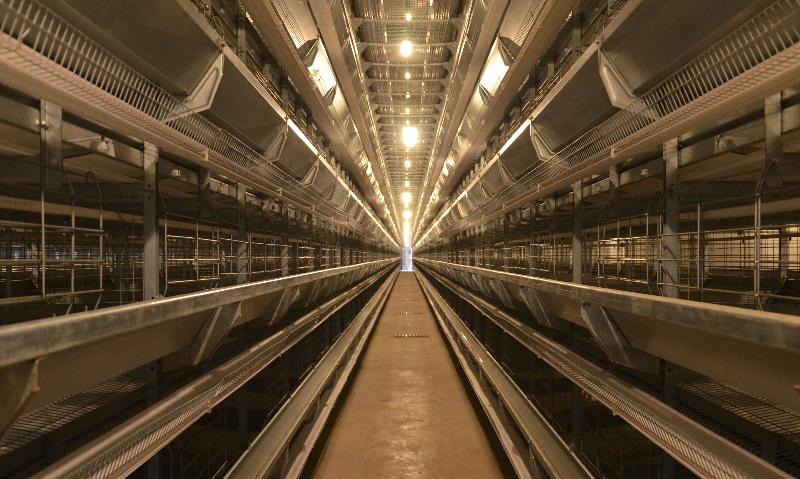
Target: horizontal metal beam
x=98, y=343
x=272, y=442
x=549, y=449
x=363, y=45
x=443, y=81
x=366, y=65
x=699, y=449
x=358, y=21
x=378, y=116
x=124, y=448
x=755, y=351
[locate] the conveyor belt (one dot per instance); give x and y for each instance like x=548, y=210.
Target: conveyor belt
x=408, y=413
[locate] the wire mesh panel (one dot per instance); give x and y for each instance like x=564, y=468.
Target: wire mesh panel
x=55, y=255
x=614, y=449
x=624, y=255
x=265, y=256
x=550, y=256
x=41, y=437
x=191, y=253
x=766, y=430
x=205, y=449
x=515, y=257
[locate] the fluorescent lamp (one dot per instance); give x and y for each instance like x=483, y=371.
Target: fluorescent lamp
x=410, y=135
x=405, y=48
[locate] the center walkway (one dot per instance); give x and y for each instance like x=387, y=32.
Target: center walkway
x=407, y=414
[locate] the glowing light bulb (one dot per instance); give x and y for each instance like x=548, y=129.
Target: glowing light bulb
x=408, y=164
x=408, y=76
x=405, y=48
x=406, y=184
x=406, y=197
x=410, y=135
x=408, y=94
x=407, y=111
x=408, y=17
x=407, y=214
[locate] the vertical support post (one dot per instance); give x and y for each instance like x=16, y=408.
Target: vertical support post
x=701, y=254
x=9, y=273
x=577, y=232
x=50, y=153
x=241, y=33
x=773, y=143
x=577, y=277
x=242, y=263
x=505, y=253
x=577, y=404
x=670, y=372
x=284, y=239
x=575, y=40
x=613, y=190
x=51, y=167
x=204, y=183
x=783, y=254
x=669, y=239
x=241, y=393
x=150, y=223
x=773, y=149
x=150, y=270
x=151, y=397
x=669, y=266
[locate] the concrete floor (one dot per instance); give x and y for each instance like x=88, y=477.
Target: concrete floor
x=407, y=413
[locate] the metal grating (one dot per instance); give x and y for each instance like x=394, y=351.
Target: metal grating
x=60, y=413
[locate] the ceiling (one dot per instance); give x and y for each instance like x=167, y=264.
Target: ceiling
x=406, y=89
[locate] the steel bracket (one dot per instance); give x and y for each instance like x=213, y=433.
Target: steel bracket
x=206, y=341
x=540, y=311
x=501, y=291
x=19, y=382
x=613, y=341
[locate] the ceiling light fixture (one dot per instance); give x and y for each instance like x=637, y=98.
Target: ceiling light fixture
x=406, y=184
x=408, y=164
x=407, y=214
x=410, y=135
x=407, y=111
x=408, y=17
x=408, y=76
x=406, y=197
x=405, y=48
